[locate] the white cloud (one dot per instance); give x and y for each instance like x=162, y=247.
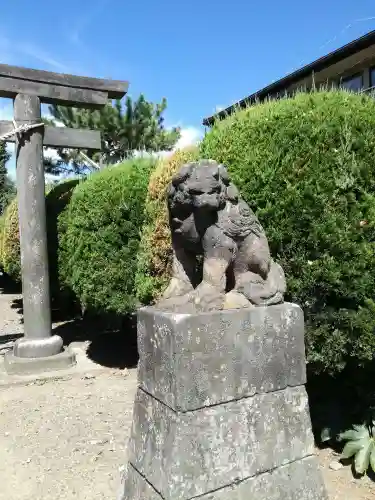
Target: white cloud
x=11, y=49
x=82, y=22
x=189, y=136
x=51, y=153
x=39, y=54
x=58, y=123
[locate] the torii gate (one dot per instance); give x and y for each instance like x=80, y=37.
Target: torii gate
x=39, y=350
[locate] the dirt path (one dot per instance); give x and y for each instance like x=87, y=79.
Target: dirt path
x=10, y=319
x=341, y=484
x=65, y=439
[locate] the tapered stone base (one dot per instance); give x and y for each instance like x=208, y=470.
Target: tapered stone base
x=221, y=412
x=15, y=365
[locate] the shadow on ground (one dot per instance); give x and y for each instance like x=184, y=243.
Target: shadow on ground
x=17, y=304
x=113, y=339
x=8, y=286
x=58, y=313
x=341, y=401
x=111, y=345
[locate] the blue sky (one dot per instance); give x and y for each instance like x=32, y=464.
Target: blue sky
x=200, y=55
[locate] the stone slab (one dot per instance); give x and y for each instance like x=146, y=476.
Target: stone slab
x=84, y=367
x=193, y=361
x=299, y=480
x=184, y=455
x=137, y=488
x=15, y=365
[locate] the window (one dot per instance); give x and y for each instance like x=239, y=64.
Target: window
x=354, y=82
x=372, y=77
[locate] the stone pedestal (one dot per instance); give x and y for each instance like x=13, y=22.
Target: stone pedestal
x=15, y=365
x=221, y=410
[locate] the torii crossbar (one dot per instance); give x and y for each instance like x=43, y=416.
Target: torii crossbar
x=39, y=350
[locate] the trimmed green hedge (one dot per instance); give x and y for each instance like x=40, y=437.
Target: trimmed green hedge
x=99, y=236
x=2, y=225
x=10, y=252
x=56, y=200
x=306, y=166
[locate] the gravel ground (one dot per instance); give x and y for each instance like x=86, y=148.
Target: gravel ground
x=65, y=439
x=340, y=483
x=62, y=438
x=10, y=319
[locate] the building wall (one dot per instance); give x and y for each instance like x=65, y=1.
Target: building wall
x=340, y=73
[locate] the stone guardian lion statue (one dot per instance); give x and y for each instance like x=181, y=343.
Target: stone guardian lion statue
x=221, y=257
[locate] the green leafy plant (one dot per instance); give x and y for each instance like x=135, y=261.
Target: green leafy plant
x=7, y=185
x=10, y=253
x=99, y=235
x=305, y=165
x=57, y=199
x=155, y=251
x=360, y=445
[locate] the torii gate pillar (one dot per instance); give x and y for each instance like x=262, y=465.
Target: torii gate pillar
x=38, y=341
x=40, y=350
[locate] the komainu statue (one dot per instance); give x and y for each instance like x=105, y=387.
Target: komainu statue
x=221, y=257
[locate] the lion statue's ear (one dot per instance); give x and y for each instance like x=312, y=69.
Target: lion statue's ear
x=232, y=193
x=224, y=176
x=183, y=174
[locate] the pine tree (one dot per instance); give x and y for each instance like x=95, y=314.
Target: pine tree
x=7, y=187
x=125, y=128
x=4, y=157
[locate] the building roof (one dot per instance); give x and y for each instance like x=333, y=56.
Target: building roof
x=280, y=85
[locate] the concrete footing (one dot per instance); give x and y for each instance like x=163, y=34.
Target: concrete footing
x=15, y=365
x=221, y=411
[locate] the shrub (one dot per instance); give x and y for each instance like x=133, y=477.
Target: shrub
x=10, y=254
x=305, y=165
x=154, y=259
x=99, y=236
x=2, y=224
x=57, y=199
